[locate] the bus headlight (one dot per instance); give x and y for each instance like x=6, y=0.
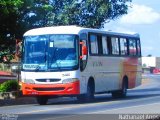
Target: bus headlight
x=70, y=80
x=29, y=81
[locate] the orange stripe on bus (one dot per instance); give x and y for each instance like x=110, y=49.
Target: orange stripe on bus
x=129, y=68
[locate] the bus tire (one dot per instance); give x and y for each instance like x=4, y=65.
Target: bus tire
x=42, y=100
x=121, y=93
x=89, y=96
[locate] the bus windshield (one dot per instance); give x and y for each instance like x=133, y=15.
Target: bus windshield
x=50, y=52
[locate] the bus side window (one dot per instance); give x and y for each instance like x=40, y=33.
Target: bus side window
x=83, y=51
x=105, y=45
x=123, y=46
x=94, y=44
x=132, y=47
x=138, y=48
x=115, y=46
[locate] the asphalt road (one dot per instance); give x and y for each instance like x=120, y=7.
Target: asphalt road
x=143, y=102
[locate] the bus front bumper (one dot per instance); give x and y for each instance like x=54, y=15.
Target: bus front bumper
x=51, y=89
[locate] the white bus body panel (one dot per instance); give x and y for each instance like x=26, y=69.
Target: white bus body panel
x=108, y=72
x=55, y=75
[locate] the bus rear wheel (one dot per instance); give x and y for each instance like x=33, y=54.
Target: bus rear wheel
x=42, y=100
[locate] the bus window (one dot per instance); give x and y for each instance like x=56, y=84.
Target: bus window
x=104, y=45
x=83, y=51
x=123, y=46
x=115, y=46
x=138, y=48
x=132, y=47
x=94, y=44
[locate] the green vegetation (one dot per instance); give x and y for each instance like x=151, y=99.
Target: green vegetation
x=18, y=16
x=86, y=13
x=9, y=17
x=10, y=85
x=5, y=67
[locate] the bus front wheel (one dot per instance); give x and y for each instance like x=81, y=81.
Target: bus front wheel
x=121, y=93
x=89, y=96
x=42, y=100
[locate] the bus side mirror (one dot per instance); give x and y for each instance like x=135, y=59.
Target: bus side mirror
x=83, y=50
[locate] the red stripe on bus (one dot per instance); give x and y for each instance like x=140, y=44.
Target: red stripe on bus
x=51, y=89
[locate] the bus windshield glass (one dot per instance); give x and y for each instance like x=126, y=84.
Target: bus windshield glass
x=50, y=52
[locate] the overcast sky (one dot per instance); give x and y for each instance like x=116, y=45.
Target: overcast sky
x=144, y=18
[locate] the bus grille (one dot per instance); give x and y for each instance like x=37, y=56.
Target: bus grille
x=48, y=80
x=49, y=89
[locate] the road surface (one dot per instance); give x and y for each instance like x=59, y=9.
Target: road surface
x=142, y=102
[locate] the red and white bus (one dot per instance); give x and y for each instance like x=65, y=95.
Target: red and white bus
x=81, y=62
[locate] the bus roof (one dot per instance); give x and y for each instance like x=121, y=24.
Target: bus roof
x=72, y=30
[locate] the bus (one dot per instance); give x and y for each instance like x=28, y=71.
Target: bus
x=81, y=62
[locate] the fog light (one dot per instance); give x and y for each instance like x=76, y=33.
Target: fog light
x=27, y=88
x=69, y=80
x=29, y=81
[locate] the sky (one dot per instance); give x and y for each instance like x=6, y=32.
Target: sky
x=144, y=18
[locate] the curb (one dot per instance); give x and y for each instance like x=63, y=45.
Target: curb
x=15, y=98
x=18, y=101
x=10, y=95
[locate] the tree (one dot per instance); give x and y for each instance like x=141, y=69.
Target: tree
x=18, y=16
x=8, y=26
x=86, y=13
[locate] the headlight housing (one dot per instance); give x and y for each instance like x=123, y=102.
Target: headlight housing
x=29, y=81
x=69, y=80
